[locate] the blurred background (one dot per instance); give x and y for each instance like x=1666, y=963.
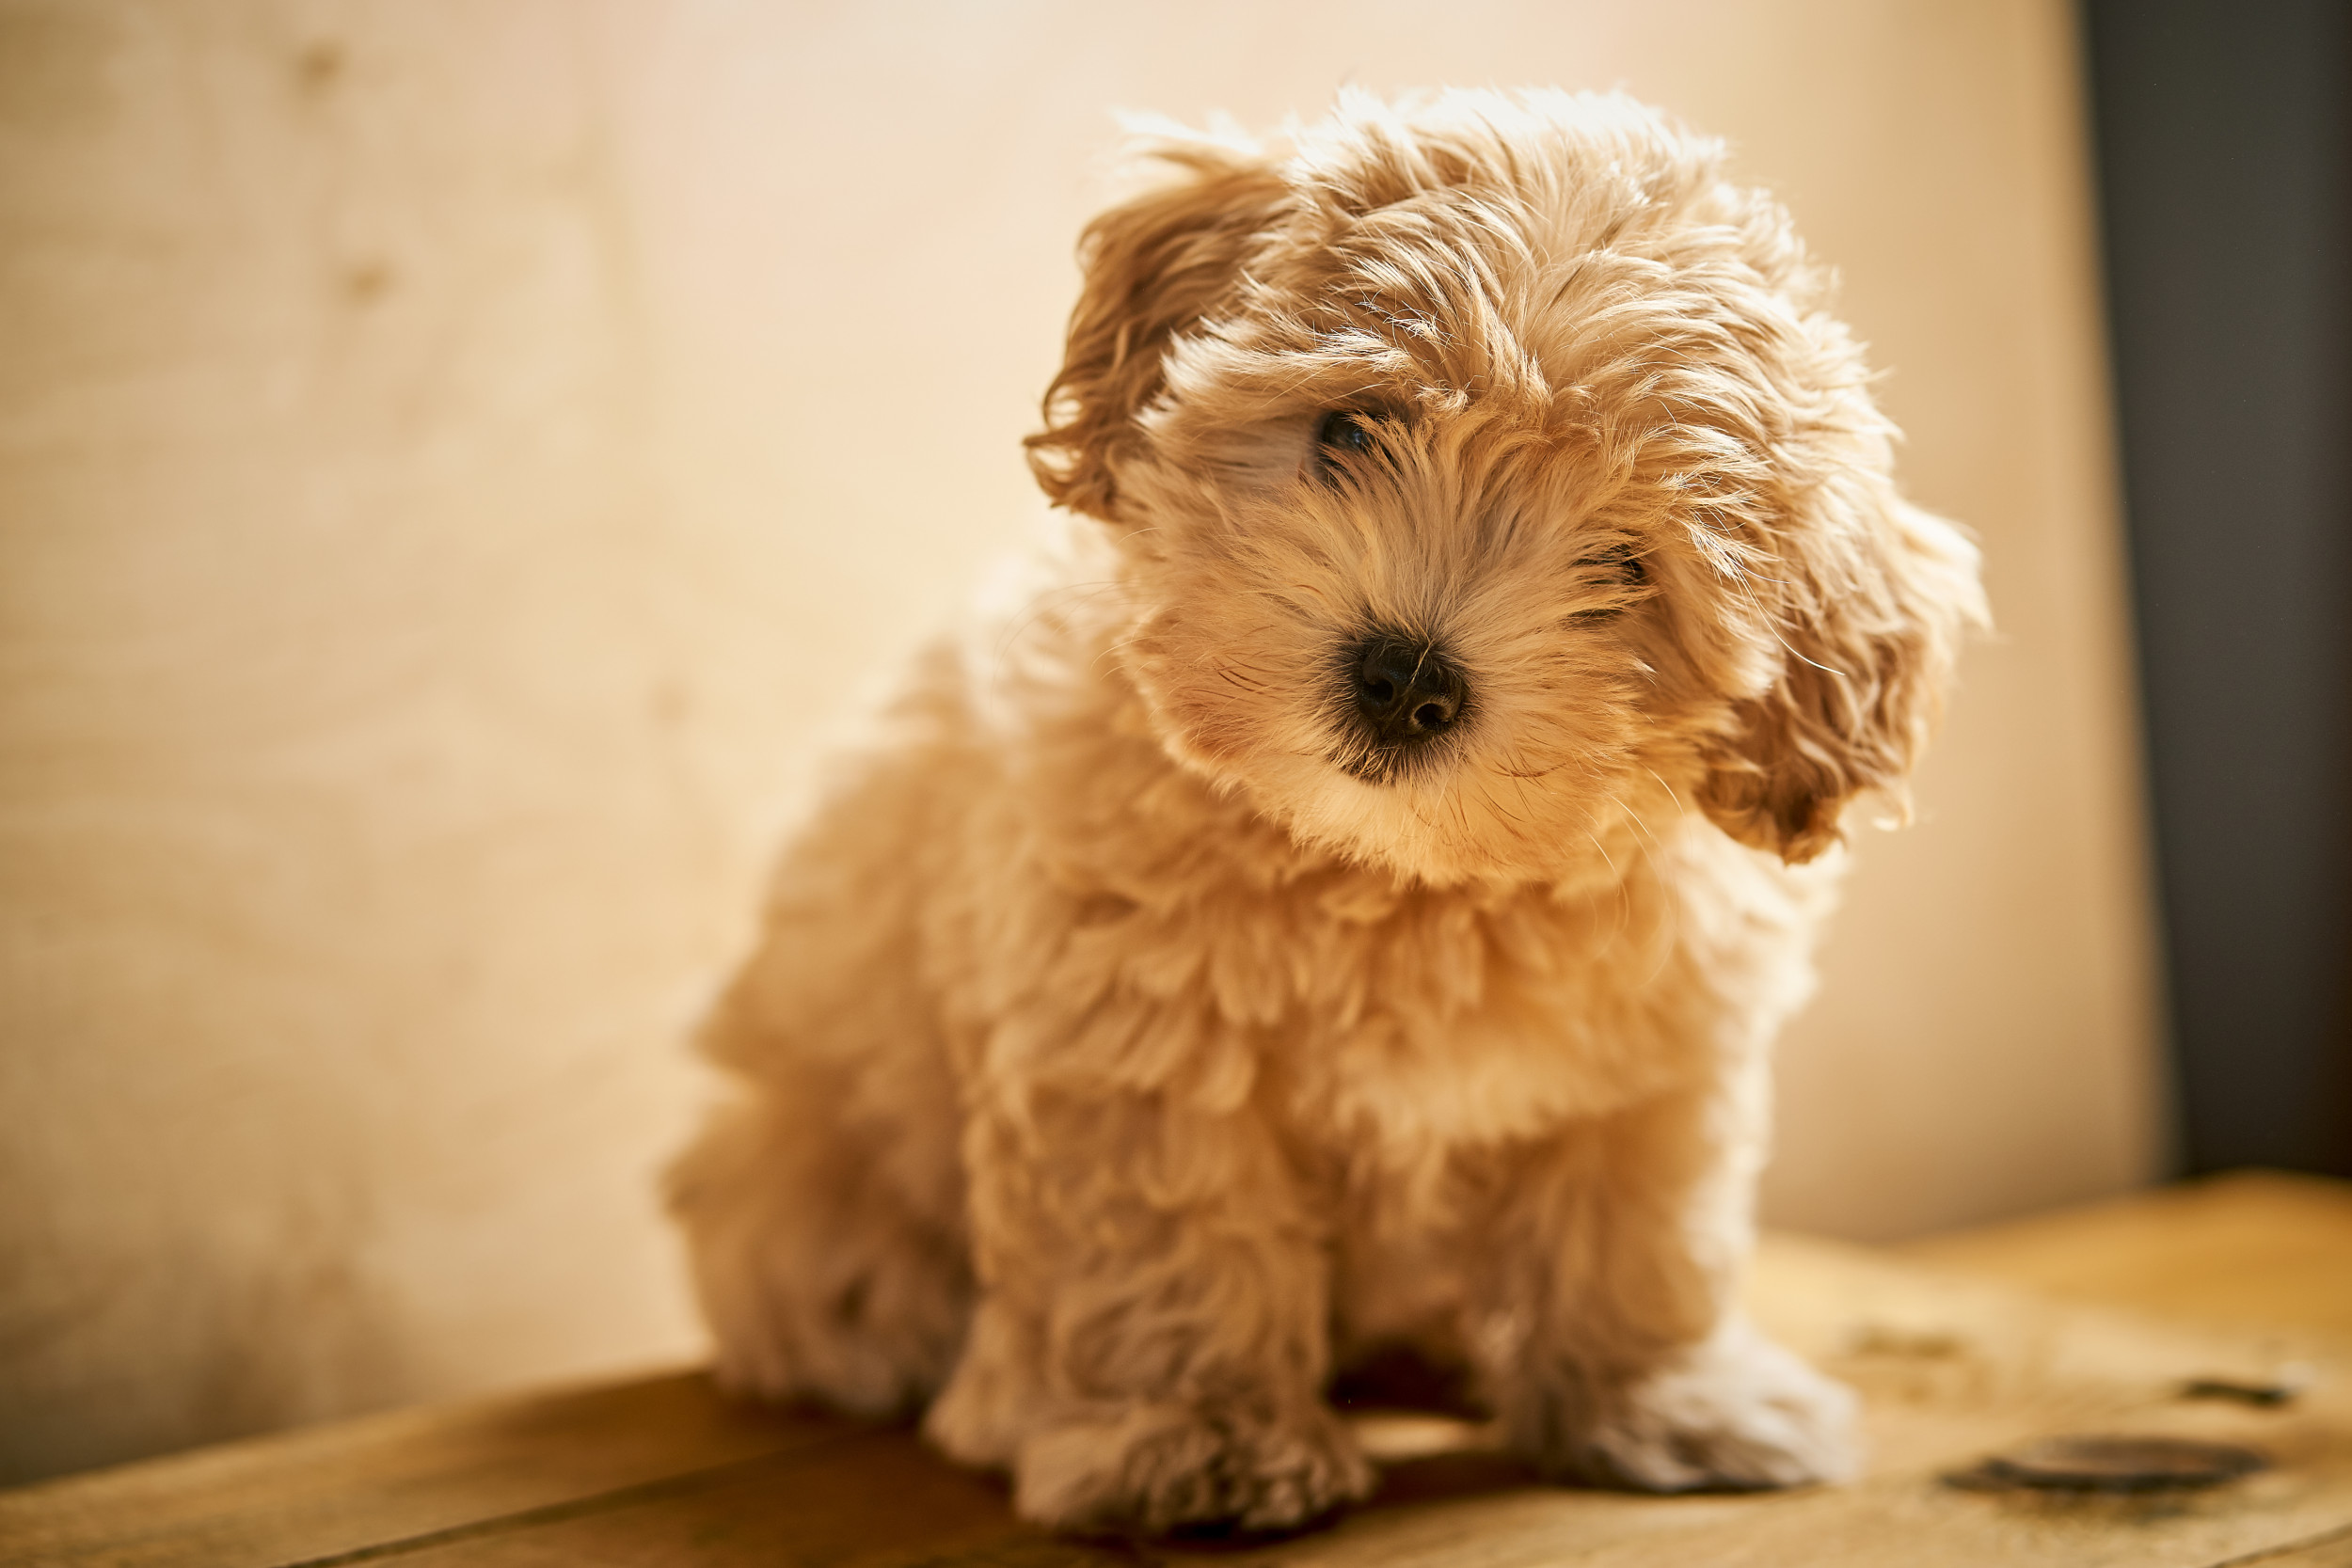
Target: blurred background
x=461, y=464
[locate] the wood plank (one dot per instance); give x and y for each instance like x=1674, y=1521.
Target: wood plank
x=309, y=1495
x=1951, y=1366
x=881, y=1499
x=2251, y=1248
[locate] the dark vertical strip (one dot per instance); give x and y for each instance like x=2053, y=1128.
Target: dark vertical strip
x=2224, y=148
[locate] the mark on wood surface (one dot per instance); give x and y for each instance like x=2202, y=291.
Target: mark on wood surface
x=365, y=283
x=2270, y=1394
x=319, y=66
x=2135, y=1463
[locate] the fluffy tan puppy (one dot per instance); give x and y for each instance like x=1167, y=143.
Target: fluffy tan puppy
x=1354, y=909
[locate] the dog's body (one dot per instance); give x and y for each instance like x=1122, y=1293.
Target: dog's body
x=1355, y=909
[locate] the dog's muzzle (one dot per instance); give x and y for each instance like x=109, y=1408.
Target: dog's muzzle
x=1407, y=691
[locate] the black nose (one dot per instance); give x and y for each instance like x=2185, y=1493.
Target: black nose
x=1406, y=689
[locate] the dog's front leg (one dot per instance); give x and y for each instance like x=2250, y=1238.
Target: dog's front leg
x=1150, y=1341
x=1612, y=1344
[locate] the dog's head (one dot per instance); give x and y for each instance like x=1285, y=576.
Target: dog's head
x=1487, y=473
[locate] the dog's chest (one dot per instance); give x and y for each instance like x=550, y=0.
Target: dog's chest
x=1400, y=1021
x=1387, y=1021
x=1426, y=1021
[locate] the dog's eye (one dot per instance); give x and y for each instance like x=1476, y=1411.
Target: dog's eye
x=1616, y=567
x=1616, y=564
x=1342, y=432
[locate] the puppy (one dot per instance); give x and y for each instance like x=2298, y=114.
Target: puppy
x=1352, y=911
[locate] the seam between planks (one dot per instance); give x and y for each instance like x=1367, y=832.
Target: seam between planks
x=684, y=1484
x=2289, y=1551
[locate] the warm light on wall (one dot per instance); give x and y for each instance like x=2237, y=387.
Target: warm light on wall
x=461, y=465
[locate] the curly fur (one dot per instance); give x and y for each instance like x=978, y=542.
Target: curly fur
x=1130, y=1044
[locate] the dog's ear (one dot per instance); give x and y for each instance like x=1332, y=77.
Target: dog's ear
x=1867, y=607
x=1152, y=266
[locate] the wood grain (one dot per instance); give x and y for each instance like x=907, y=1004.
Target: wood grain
x=1952, y=1365
x=2332, y=1550
x=320, y=1493
x=2253, y=1247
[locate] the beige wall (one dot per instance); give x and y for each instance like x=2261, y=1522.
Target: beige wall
x=458, y=460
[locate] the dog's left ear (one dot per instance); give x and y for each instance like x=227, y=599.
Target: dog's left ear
x=1867, y=601
x=1156, y=265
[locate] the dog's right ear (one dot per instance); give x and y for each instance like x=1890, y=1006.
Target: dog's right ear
x=1153, y=266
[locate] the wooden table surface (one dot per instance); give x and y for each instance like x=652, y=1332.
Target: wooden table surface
x=2091, y=1321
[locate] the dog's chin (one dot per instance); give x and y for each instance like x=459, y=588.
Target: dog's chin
x=1404, y=827
x=1411, y=821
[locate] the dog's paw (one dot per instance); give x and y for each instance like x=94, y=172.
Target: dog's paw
x=1160, y=1468
x=1736, y=1413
